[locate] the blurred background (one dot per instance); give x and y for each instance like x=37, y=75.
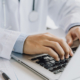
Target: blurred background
x=50, y=23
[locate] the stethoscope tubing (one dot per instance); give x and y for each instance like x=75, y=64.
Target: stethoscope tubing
x=33, y=7
x=33, y=13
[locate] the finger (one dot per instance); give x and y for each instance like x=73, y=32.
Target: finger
x=51, y=37
x=69, y=39
x=56, y=46
x=65, y=47
x=63, y=44
x=51, y=53
x=71, y=52
x=78, y=33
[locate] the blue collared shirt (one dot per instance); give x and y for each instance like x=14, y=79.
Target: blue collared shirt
x=18, y=47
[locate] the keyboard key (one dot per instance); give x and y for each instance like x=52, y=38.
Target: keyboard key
x=59, y=67
x=53, y=62
x=57, y=62
x=67, y=60
x=46, y=59
x=49, y=64
x=42, y=64
x=34, y=59
x=64, y=65
x=46, y=66
x=55, y=69
x=40, y=58
x=62, y=61
x=51, y=58
x=56, y=72
x=61, y=70
x=51, y=69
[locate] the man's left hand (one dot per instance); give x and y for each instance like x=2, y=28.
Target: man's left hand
x=73, y=34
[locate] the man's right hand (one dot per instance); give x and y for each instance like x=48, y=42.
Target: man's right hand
x=47, y=43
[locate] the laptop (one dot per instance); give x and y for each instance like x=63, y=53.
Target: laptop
x=72, y=71
x=45, y=66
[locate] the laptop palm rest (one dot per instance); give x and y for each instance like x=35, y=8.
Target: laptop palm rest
x=72, y=71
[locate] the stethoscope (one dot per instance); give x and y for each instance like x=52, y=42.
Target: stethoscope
x=33, y=16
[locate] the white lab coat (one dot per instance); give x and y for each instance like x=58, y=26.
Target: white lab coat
x=64, y=13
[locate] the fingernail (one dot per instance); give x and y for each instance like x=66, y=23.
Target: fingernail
x=69, y=41
x=72, y=53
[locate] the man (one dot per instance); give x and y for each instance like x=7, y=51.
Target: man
x=65, y=13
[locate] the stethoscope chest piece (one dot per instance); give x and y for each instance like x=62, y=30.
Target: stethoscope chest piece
x=33, y=16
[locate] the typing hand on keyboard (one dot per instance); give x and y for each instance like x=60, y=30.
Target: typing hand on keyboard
x=47, y=43
x=49, y=63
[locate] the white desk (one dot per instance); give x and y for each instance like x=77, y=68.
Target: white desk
x=23, y=73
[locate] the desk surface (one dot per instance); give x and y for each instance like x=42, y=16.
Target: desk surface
x=23, y=73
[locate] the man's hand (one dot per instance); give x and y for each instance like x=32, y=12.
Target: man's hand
x=73, y=34
x=47, y=43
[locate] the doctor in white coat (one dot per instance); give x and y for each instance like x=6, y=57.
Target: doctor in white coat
x=19, y=19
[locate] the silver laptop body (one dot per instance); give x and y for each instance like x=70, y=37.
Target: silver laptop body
x=30, y=62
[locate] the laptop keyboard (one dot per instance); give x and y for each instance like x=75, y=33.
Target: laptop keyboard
x=50, y=64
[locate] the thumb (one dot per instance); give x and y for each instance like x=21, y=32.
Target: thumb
x=69, y=39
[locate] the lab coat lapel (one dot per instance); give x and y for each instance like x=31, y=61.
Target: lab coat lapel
x=12, y=15
x=25, y=9
x=1, y=14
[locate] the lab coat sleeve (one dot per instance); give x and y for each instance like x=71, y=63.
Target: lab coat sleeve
x=18, y=47
x=7, y=41
x=65, y=13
